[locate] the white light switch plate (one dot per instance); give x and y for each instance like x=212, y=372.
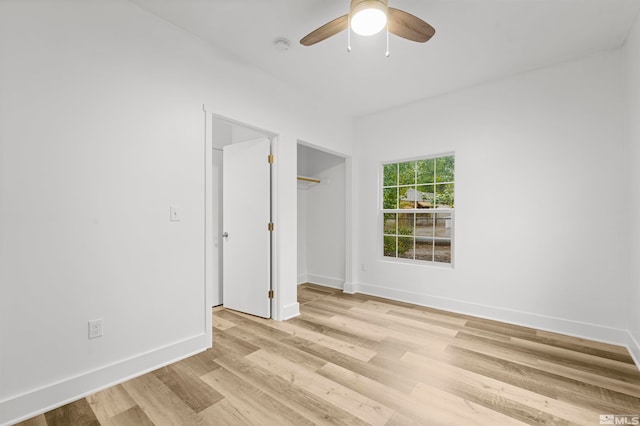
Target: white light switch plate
x=175, y=214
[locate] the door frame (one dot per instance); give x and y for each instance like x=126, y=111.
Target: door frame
x=212, y=233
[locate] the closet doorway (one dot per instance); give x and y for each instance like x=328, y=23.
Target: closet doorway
x=322, y=212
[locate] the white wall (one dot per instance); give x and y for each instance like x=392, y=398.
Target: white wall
x=101, y=129
x=326, y=218
x=540, y=199
x=100, y=135
x=632, y=51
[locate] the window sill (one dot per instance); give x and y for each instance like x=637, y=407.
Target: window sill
x=413, y=262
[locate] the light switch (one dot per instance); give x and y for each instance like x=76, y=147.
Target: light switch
x=175, y=214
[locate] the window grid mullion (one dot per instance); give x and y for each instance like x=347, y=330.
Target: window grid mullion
x=408, y=185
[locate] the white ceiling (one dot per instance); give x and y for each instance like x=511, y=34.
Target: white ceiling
x=476, y=41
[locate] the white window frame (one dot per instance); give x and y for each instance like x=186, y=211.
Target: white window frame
x=382, y=211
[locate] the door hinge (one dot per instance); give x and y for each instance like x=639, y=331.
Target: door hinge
x=270, y=226
x=270, y=294
x=271, y=158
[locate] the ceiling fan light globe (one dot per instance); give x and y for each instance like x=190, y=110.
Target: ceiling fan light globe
x=368, y=17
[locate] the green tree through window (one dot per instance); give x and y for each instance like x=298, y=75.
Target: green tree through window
x=418, y=199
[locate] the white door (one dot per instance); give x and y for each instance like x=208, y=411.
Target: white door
x=246, y=213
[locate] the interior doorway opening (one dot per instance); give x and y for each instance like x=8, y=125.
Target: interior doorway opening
x=239, y=185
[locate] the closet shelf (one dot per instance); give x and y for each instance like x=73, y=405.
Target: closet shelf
x=308, y=179
x=305, y=182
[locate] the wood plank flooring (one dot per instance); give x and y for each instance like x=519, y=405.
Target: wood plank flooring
x=362, y=360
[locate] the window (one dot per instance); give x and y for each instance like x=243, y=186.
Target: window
x=417, y=209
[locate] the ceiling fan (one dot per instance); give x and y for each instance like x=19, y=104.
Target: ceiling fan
x=368, y=17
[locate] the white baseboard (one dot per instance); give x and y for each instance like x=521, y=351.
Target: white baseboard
x=569, y=327
x=325, y=281
x=633, y=346
x=38, y=401
x=290, y=311
x=302, y=279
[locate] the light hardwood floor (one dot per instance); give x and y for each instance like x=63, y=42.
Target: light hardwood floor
x=357, y=360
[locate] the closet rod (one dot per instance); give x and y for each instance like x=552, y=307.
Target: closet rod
x=306, y=179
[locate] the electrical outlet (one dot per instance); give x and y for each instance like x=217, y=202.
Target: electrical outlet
x=95, y=328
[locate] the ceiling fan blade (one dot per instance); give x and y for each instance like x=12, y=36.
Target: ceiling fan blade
x=327, y=30
x=407, y=26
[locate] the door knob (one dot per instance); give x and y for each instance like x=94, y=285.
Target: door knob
x=225, y=235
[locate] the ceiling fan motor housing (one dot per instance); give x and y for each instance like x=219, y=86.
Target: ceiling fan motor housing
x=358, y=5
x=368, y=17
